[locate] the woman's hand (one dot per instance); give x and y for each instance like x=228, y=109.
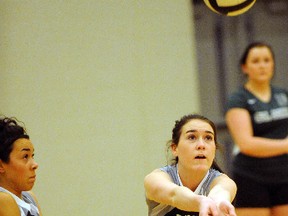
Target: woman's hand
x=226, y=208
x=210, y=207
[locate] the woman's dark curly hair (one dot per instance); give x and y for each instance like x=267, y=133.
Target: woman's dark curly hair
x=177, y=130
x=10, y=131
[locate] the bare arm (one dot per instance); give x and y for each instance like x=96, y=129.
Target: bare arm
x=223, y=191
x=8, y=205
x=240, y=126
x=223, y=188
x=160, y=188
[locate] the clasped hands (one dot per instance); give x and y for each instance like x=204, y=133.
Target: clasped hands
x=210, y=207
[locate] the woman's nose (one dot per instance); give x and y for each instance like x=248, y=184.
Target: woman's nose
x=35, y=165
x=200, y=144
x=263, y=64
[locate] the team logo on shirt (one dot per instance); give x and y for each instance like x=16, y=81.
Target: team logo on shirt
x=281, y=99
x=251, y=101
x=275, y=114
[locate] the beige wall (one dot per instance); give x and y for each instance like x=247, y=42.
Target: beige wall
x=98, y=85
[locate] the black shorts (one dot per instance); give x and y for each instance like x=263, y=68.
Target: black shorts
x=251, y=194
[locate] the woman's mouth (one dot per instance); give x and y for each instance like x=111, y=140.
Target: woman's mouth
x=33, y=177
x=200, y=157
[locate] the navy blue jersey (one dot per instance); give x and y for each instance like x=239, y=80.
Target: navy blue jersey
x=269, y=120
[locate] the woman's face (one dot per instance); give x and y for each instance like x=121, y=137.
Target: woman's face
x=19, y=174
x=259, y=65
x=196, y=148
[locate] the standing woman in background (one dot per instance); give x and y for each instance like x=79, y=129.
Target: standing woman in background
x=17, y=171
x=257, y=118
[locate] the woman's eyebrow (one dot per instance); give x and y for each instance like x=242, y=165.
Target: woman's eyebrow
x=206, y=131
x=26, y=149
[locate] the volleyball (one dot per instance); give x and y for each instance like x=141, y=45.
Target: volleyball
x=229, y=7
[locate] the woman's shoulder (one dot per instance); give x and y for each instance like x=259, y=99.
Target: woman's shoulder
x=8, y=205
x=238, y=99
x=240, y=93
x=6, y=198
x=213, y=174
x=223, y=179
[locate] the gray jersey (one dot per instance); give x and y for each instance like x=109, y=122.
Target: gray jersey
x=158, y=209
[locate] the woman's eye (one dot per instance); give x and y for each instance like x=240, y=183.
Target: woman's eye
x=209, y=138
x=267, y=60
x=192, y=137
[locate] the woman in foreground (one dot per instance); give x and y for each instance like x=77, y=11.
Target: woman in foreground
x=192, y=184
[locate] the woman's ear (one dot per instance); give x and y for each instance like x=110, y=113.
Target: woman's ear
x=244, y=68
x=2, y=170
x=174, y=149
